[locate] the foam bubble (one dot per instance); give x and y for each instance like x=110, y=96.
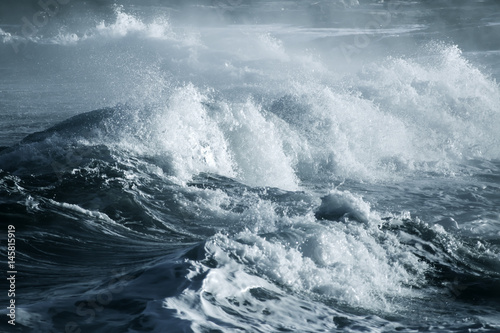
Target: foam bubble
x=339, y=205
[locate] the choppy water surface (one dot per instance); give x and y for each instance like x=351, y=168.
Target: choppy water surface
x=267, y=166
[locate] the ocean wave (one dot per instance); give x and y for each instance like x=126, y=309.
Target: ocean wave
x=252, y=166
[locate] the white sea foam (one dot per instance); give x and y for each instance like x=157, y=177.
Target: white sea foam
x=6, y=37
x=220, y=159
x=232, y=289
x=127, y=24
x=349, y=262
x=424, y=113
x=124, y=25
x=404, y=116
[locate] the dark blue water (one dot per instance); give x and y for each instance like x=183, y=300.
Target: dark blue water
x=237, y=166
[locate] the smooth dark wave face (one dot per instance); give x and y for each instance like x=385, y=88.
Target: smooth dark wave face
x=237, y=166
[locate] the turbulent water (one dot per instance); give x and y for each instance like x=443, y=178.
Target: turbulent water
x=251, y=166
